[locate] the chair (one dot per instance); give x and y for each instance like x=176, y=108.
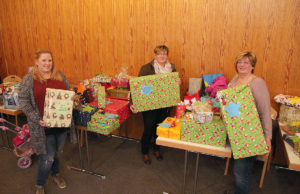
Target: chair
x=267, y=158
x=267, y=162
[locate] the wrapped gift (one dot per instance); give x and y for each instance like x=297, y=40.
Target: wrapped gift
x=101, y=97
x=170, y=128
x=11, y=100
x=119, y=107
x=58, y=107
x=155, y=91
x=242, y=122
x=213, y=133
x=103, y=124
x=118, y=93
x=194, y=85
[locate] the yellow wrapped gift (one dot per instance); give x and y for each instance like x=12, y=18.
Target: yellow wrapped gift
x=170, y=128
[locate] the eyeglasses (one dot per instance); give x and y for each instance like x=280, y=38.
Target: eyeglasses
x=162, y=54
x=244, y=62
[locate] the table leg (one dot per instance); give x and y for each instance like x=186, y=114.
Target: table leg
x=81, y=137
x=196, y=173
x=16, y=120
x=227, y=166
x=184, y=171
x=81, y=162
x=87, y=149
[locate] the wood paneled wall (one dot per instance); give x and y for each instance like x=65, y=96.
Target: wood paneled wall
x=204, y=36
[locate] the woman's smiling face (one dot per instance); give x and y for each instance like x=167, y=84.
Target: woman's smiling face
x=44, y=63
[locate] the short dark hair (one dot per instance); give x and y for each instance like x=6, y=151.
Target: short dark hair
x=160, y=48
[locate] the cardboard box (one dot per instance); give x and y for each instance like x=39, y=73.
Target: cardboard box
x=155, y=91
x=213, y=133
x=172, y=131
x=58, y=107
x=242, y=122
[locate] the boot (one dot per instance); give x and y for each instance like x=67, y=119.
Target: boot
x=39, y=189
x=61, y=183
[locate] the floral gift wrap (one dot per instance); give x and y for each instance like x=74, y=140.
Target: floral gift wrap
x=58, y=107
x=213, y=133
x=155, y=91
x=103, y=124
x=101, y=96
x=242, y=122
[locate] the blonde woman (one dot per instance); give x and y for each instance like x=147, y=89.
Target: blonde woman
x=48, y=143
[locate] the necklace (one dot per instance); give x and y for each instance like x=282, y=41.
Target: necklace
x=241, y=81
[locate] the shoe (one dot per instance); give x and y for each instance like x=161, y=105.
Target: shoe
x=146, y=159
x=61, y=183
x=39, y=189
x=158, y=155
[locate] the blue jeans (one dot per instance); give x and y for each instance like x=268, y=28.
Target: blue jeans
x=49, y=163
x=243, y=174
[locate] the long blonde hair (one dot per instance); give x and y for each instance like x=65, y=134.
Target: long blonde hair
x=37, y=75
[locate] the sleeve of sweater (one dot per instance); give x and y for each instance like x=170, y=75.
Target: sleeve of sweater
x=25, y=99
x=262, y=100
x=65, y=80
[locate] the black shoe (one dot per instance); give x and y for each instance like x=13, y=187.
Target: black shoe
x=146, y=159
x=158, y=155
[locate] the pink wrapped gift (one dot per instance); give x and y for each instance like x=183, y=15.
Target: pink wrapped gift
x=119, y=107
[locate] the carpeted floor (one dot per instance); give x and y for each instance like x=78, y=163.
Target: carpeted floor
x=120, y=161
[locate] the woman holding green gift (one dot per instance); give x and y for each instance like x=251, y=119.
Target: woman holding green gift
x=158, y=65
x=244, y=64
x=48, y=143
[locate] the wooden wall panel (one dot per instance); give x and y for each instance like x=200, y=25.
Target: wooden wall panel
x=89, y=37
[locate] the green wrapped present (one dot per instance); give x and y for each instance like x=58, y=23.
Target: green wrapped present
x=103, y=124
x=155, y=91
x=242, y=122
x=101, y=97
x=213, y=133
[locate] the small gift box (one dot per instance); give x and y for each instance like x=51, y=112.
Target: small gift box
x=119, y=107
x=58, y=107
x=170, y=128
x=101, y=97
x=103, y=124
x=194, y=85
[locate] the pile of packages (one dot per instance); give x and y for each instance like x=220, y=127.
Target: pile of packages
x=210, y=112
x=289, y=119
x=9, y=92
x=100, y=103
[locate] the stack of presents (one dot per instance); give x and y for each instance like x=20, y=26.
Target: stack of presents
x=208, y=115
x=102, y=103
x=289, y=119
x=9, y=92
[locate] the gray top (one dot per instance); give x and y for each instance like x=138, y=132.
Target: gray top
x=29, y=107
x=262, y=101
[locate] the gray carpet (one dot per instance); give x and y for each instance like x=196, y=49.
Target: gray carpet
x=120, y=161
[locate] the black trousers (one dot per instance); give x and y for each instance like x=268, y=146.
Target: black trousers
x=151, y=119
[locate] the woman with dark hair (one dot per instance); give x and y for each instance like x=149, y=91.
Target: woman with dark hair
x=158, y=65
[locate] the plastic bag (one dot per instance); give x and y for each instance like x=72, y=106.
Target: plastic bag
x=121, y=80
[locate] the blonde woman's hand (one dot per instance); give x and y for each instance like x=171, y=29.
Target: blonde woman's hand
x=42, y=123
x=268, y=141
x=132, y=107
x=178, y=81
